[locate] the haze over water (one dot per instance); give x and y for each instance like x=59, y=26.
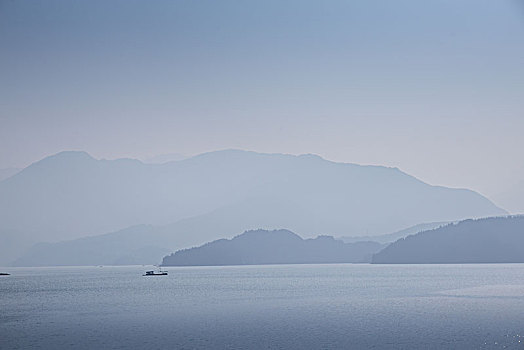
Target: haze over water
x=265, y=307
x=261, y=132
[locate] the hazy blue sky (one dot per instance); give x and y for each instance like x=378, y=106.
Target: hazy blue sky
x=435, y=88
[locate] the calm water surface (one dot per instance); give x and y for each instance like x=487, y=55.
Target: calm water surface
x=265, y=307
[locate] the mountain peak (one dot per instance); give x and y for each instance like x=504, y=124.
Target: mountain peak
x=68, y=156
x=59, y=162
x=263, y=234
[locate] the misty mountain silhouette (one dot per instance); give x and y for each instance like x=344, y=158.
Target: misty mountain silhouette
x=71, y=195
x=261, y=247
x=490, y=240
x=130, y=246
x=13, y=244
x=8, y=172
x=392, y=237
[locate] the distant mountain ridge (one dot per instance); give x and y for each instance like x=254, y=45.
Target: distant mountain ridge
x=261, y=247
x=392, y=237
x=71, y=194
x=130, y=246
x=489, y=240
x=8, y=172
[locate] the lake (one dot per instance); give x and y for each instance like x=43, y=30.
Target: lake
x=342, y=306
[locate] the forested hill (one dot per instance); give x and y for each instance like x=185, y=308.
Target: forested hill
x=273, y=247
x=491, y=240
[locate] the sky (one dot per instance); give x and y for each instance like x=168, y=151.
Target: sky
x=435, y=88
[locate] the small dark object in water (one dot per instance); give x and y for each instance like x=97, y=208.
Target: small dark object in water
x=153, y=273
x=4, y=274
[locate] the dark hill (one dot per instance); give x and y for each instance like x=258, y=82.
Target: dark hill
x=491, y=240
x=273, y=247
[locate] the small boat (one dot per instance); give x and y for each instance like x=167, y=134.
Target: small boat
x=155, y=273
x=5, y=274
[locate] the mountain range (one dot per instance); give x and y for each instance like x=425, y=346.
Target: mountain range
x=260, y=247
x=185, y=203
x=146, y=244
